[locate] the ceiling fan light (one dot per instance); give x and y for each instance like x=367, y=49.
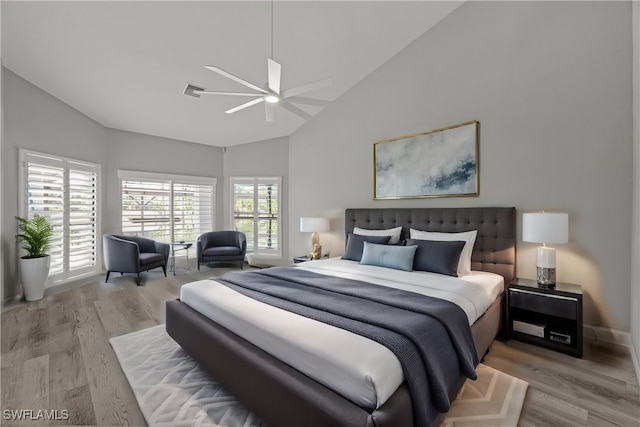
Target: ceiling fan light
x=273, y=99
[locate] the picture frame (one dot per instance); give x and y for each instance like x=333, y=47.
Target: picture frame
x=438, y=163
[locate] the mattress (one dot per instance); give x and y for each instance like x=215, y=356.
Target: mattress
x=359, y=369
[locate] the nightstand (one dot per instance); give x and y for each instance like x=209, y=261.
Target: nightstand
x=550, y=318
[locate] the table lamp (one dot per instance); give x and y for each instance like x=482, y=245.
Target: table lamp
x=315, y=226
x=545, y=227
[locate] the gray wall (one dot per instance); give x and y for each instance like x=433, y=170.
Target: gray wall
x=2, y=251
x=635, y=229
x=37, y=121
x=550, y=84
x=145, y=153
x=264, y=158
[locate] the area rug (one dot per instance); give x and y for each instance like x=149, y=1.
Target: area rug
x=172, y=390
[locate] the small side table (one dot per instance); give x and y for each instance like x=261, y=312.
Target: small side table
x=550, y=318
x=178, y=246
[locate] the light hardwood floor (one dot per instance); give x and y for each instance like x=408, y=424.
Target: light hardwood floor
x=56, y=355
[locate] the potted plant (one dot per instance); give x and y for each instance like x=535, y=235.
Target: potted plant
x=35, y=234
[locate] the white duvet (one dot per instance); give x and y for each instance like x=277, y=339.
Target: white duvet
x=359, y=369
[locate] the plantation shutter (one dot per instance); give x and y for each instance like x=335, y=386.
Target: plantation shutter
x=45, y=197
x=66, y=192
x=166, y=208
x=83, y=215
x=256, y=212
x=267, y=195
x=146, y=209
x=243, y=210
x=192, y=210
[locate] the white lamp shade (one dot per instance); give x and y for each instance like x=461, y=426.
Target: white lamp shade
x=314, y=225
x=545, y=227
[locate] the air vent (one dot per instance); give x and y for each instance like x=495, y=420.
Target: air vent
x=190, y=90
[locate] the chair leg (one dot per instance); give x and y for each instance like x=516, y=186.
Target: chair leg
x=198, y=265
x=107, y=279
x=164, y=269
x=241, y=265
x=121, y=273
x=138, y=279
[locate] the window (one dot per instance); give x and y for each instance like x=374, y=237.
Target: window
x=256, y=212
x=66, y=192
x=166, y=208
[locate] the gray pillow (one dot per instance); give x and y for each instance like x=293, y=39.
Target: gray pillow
x=355, y=245
x=437, y=256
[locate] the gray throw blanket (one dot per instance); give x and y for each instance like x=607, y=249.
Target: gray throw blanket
x=430, y=337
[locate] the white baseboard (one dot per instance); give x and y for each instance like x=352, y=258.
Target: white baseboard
x=603, y=334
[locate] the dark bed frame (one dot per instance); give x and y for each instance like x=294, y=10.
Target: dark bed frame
x=282, y=396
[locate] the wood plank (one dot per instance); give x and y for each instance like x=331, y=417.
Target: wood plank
x=111, y=396
x=34, y=394
x=604, y=397
x=66, y=365
x=112, y=320
x=77, y=402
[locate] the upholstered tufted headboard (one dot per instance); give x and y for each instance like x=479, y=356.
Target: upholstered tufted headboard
x=495, y=247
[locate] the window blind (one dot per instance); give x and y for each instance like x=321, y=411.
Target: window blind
x=192, y=210
x=65, y=191
x=146, y=209
x=166, y=208
x=83, y=215
x=256, y=212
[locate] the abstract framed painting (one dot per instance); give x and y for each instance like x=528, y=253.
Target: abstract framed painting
x=438, y=163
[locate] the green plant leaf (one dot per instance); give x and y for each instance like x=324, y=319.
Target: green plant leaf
x=35, y=234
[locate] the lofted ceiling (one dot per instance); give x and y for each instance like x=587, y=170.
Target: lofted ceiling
x=126, y=64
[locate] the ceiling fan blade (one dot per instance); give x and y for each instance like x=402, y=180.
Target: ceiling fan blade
x=270, y=112
x=274, y=71
x=295, y=110
x=243, y=106
x=308, y=101
x=310, y=87
x=234, y=78
x=209, y=92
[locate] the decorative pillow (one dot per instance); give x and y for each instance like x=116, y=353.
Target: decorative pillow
x=437, y=256
x=393, y=232
x=397, y=257
x=355, y=244
x=464, y=265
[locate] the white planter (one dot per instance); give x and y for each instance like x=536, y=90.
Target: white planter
x=33, y=276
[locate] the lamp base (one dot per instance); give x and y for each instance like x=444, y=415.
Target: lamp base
x=316, y=253
x=546, y=277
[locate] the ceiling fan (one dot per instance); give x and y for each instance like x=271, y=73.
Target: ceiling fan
x=271, y=95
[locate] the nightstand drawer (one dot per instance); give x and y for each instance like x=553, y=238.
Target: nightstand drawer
x=553, y=305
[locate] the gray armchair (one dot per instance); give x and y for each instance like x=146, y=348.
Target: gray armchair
x=221, y=246
x=129, y=254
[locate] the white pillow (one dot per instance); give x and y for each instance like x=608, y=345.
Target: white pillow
x=393, y=232
x=464, y=265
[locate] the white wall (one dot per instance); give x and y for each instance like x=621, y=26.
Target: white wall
x=550, y=84
x=145, y=153
x=264, y=158
x=635, y=229
x=37, y=121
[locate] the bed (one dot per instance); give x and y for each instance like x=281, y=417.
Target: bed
x=283, y=396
